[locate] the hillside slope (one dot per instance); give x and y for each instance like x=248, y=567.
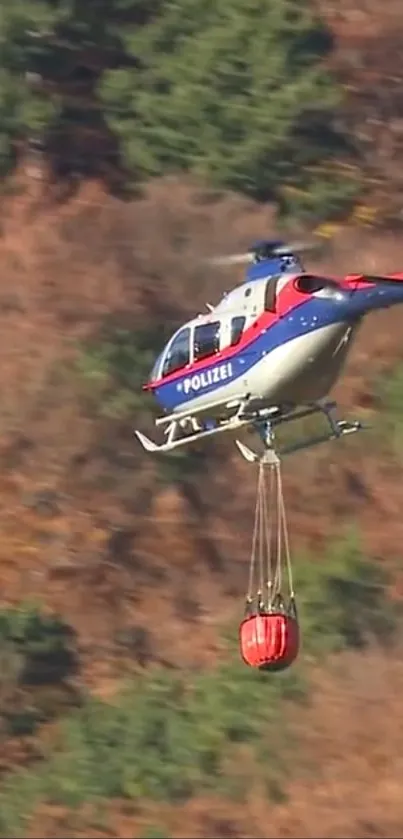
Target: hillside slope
x=107, y=537
x=97, y=265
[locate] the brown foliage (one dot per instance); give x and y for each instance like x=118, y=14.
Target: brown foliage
x=87, y=526
x=107, y=526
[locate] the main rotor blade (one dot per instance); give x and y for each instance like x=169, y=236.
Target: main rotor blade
x=296, y=247
x=277, y=250
x=231, y=259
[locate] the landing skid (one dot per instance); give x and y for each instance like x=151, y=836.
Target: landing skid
x=186, y=428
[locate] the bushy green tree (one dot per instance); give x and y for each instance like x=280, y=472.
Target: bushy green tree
x=22, y=111
x=172, y=734
x=236, y=91
x=52, y=54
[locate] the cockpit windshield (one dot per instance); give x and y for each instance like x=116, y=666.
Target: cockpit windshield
x=155, y=372
x=195, y=343
x=178, y=352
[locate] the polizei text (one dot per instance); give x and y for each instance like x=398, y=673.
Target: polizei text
x=207, y=378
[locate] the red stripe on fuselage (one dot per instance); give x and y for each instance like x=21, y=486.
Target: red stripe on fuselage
x=359, y=281
x=265, y=320
x=288, y=298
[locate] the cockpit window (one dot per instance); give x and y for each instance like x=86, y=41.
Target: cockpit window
x=206, y=340
x=270, y=295
x=178, y=354
x=237, y=325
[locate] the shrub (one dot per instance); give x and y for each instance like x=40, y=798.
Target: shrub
x=170, y=735
x=344, y=599
x=36, y=652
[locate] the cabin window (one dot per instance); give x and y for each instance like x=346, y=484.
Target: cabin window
x=178, y=354
x=270, y=295
x=237, y=325
x=206, y=340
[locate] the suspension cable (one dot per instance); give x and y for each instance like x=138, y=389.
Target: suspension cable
x=286, y=536
x=268, y=513
x=262, y=502
x=278, y=576
x=254, y=541
x=270, y=539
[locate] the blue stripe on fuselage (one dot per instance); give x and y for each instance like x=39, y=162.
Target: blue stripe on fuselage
x=310, y=315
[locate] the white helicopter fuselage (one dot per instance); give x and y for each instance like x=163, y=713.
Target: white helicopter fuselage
x=297, y=359
x=272, y=349
x=303, y=370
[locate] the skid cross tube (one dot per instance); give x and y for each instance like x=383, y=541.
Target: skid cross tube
x=337, y=429
x=302, y=413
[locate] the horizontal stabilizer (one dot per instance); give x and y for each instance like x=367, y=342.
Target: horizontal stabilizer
x=383, y=278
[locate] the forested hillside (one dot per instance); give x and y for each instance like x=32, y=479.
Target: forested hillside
x=136, y=138
x=239, y=93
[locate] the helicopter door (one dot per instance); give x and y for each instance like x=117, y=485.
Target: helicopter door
x=178, y=352
x=270, y=295
x=231, y=330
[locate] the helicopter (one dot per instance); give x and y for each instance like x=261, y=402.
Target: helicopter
x=268, y=353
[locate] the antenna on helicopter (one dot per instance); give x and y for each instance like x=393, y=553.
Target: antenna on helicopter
x=266, y=249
